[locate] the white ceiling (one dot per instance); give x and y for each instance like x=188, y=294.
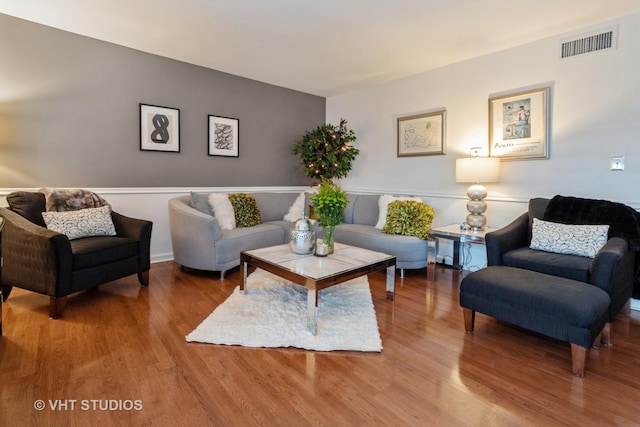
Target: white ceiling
x=322, y=47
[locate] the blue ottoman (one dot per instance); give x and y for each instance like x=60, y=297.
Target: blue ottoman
x=560, y=308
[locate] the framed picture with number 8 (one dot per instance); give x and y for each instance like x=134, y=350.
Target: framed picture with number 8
x=159, y=128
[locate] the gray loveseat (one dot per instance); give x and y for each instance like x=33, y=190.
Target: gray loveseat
x=199, y=242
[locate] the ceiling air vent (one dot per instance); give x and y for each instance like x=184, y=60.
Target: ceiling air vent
x=589, y=43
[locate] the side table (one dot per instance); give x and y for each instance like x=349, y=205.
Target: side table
x=458, y=235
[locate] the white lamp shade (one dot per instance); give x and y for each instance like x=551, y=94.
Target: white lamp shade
x=478, y=169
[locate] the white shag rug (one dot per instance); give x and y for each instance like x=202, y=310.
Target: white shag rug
x=272, y=312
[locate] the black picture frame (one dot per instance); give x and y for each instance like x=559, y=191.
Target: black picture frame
x=224, y=136
x=159, y=128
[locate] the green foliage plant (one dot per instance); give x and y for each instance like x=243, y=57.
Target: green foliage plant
x=326, y=152
x=329, y=203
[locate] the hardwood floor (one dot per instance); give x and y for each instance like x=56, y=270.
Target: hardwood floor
x=120, y=353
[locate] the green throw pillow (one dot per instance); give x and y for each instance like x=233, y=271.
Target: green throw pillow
x=245, y=210
x=410, y=218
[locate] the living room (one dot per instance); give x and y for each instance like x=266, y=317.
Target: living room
x=69, y=117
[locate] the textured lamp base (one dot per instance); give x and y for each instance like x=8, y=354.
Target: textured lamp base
x=476, y=207
x=477, y=222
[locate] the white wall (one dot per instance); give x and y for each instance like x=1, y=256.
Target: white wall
x=594, y=104
x=595, y=109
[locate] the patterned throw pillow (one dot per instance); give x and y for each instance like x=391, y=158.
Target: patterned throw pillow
x=581, y=240
x=409, y=218
x=245, y=209
x=81, y=223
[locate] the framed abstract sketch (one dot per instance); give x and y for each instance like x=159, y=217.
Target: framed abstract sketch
x=422, y=134
x=159, y=128
x=519, y=125
x=223, y=136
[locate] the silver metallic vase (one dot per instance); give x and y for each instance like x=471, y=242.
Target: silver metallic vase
x=303, y=237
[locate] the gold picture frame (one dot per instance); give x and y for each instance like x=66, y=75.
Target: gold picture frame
x=422, y=134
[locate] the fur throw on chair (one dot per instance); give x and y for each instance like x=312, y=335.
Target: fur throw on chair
x=71, y=199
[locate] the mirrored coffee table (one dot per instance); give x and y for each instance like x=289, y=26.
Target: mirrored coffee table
x=316, y=273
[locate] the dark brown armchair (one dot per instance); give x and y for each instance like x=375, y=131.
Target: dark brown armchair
x=45, y=261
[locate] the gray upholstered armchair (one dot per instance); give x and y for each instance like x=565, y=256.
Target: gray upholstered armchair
x=48, y=262
x=611, y=269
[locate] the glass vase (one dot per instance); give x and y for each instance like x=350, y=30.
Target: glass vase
x=328, y=237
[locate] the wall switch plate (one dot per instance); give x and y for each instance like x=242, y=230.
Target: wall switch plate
x=617, y=163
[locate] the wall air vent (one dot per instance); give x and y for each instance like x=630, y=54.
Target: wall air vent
x=589, y=43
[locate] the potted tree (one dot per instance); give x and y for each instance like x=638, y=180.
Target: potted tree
x=326, y=151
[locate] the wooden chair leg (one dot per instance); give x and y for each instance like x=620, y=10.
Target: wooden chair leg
x=626, y=308
x=143, y=278
x=606, y=335
x=469, y=320
x=598, y=341
x=578, y=358
x=56, y=306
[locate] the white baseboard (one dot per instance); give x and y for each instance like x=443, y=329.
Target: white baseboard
x=161, y=257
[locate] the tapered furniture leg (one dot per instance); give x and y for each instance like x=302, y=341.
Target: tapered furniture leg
x=143, y=278
x=56, y=306
x=605, y=335
x=626, y=308
x=469, y=319
x=578, y=357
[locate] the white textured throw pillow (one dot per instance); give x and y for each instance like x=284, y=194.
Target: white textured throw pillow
x=383, y=203
x=223, y=210
x=581, y=240
x=297, y=209
x=81, y=223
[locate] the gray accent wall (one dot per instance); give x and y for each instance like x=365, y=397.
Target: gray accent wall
x=69, y=117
